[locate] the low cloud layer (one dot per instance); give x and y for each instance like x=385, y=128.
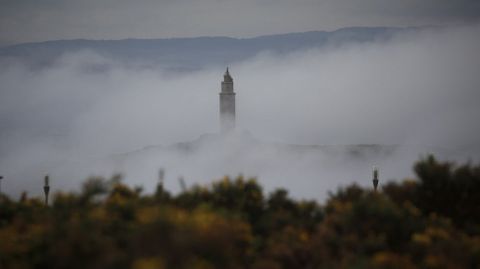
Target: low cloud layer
x=419, y=90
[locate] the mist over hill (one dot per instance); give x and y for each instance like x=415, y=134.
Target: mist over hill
x=309, y=171
x=188, y=54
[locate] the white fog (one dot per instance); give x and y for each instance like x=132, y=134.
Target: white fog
x=412, y=95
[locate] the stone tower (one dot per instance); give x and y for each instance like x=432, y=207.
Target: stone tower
x=227, y=104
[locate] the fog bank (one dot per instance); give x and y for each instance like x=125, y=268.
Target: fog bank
x=418, y=91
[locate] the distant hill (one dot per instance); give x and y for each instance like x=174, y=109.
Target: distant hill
x=245, y=141
x=322, y=167
x=184, y=54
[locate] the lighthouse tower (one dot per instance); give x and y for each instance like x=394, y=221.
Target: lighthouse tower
x=227, y=104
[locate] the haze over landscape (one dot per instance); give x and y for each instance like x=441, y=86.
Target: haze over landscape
x=315, y=110
x=222, y=134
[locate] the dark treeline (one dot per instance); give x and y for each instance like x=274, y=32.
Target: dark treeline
x=429, y=222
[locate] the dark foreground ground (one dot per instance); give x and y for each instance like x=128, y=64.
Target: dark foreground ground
x=432, y=221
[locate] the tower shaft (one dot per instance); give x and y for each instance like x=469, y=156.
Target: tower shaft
x=227, y=104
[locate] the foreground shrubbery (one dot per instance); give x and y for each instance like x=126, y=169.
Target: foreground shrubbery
x=432, y=222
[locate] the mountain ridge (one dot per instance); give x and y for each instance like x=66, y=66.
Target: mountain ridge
x=192, y=53
x=352, y=28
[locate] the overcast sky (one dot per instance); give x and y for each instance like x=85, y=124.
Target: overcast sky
x=34, y=20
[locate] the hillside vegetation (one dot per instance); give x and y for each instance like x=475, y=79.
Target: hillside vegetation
x=429, y=222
